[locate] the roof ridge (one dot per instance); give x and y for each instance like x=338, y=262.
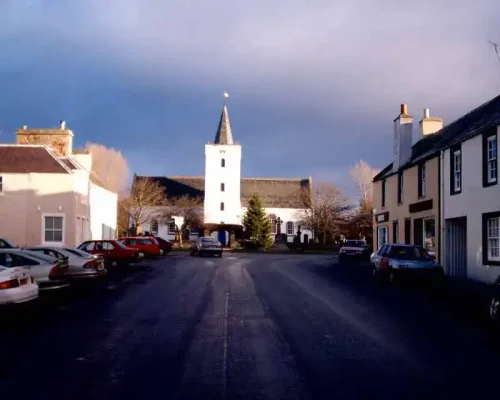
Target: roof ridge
x=56, y=157
x=278, y=179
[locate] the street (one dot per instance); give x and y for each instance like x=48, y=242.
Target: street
x=247, y=326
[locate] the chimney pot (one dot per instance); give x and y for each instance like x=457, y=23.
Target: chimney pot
x=63, y=124
x=426, y=113
x=404, y=108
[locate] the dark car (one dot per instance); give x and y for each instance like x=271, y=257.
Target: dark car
x=165, y=245
x=395, y=262
x=5, y=244
x=353, y=251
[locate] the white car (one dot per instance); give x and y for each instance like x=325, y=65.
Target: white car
x=16, y=286
x=49, y=272
x=81, y=265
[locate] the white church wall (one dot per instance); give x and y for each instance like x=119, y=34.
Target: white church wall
x=286, y=215
x=228, y=174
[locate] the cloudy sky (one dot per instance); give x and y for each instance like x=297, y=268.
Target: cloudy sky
x=314, y=84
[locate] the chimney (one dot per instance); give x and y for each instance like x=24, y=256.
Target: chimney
x=63, y=124
x=429, y=125
x=402, y=147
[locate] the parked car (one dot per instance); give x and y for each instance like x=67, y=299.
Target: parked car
x=353, y=251
x=147, y=246
x=165, y=245
x=16, y=286
x=114, y=252
x=49, y=272
x=495, y=302
x=6, y=244
x=206, y=245
x=394, y=262
x=80, y=266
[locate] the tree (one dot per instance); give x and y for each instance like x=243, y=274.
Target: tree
x=188, y=207
x=325, y=208
x=146, y=202
x=109, y=165
x=257, y=224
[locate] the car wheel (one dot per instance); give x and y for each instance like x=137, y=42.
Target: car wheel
x=141, y=255
x=341, y=259
x=495, y=309
x=220, y=254
x=376, y=276
x=393, y=278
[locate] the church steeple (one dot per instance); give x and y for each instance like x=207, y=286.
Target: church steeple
x=224, y=134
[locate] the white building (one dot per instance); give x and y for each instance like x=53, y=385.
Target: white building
x=225, y=193
x=471, y=194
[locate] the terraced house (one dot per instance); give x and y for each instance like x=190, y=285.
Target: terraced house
x=406, y=192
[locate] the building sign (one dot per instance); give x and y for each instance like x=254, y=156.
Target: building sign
x=382, y=217
x=420, y=206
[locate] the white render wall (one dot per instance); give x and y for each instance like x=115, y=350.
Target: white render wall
x=230, y=175
x=472, y=203
x=103, y=211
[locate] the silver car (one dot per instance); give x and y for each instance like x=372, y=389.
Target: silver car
x=81, y=265
x=206, y=245
x=49, y=272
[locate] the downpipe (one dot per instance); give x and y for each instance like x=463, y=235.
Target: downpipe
x=442, y=245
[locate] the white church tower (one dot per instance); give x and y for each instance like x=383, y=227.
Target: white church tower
x=223, y=176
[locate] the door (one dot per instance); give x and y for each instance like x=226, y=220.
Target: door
x=222, y=237
x=382, y=236
x=395, y=232
x=456, y=247
x=408, y=231
x=418, y=232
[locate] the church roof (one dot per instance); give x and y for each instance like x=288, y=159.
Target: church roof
x=224, y=134
x=274, y=192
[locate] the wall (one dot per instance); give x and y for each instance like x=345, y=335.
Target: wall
x=472, y=203
x=230, y=175
x=27, y=197
x=103, y=211
x=399, y=212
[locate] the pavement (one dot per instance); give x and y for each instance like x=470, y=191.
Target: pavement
x=245, y=326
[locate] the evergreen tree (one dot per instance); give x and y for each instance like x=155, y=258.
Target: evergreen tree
x=257, y=224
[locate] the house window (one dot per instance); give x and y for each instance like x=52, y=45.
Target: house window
x=422, y=179
x=274, y=228
x=395, y=232
x=491, y=238
x=456, y=171
x=381, y=236
x=222, y=206
x=222, y=187
x=429, y=233
x=490, y=160
x=400, y=187
x=289, y=228
x=1, y=184
x=53, y=229
x=223, y=163
x=154, y=227
x=384, y=190
x=171, y=227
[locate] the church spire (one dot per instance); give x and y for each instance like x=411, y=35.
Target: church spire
x=224, y=134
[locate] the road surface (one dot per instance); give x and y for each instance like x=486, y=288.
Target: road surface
x=244, y=327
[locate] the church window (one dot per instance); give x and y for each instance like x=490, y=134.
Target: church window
x=154, y=227
x=289, y=228
x=222, y=187
x=274, y=228
x=223, y=162
x=222, y=206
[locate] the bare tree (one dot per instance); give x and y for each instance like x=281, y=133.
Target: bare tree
x=324, y=210
x=109, y=165
x=146, y=202
x=190, y=209
x=362, y=175
x=496, y=48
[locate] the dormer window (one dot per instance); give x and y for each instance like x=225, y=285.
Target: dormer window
x=223, y=162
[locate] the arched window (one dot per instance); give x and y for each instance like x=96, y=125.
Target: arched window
x=289, y=228
x=222, y=187
x=274, y=229
x=154, y=227
x=223, y=162
x=222, y=206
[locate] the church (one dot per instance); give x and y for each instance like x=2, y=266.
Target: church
x=225, y=194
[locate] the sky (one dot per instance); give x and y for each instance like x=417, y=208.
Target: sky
x=314, y=84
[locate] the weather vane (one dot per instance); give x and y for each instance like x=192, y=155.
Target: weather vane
x=225, y=96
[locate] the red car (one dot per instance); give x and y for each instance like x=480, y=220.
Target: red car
x=113, y=251
x=146, y=246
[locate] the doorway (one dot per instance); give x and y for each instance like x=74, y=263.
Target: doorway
x=222, y=237
x=456, y=246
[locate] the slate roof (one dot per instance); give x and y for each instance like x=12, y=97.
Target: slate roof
x=23, y=159
x=224, y=134
x=275, y=193
x=466, y=127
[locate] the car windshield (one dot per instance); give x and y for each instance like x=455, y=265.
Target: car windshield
x=410, y=253
x=37, y=255
x=354, y=243
x=119, y=243
x=78, y=253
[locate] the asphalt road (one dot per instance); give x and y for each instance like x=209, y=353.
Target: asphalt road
x=244, y=327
